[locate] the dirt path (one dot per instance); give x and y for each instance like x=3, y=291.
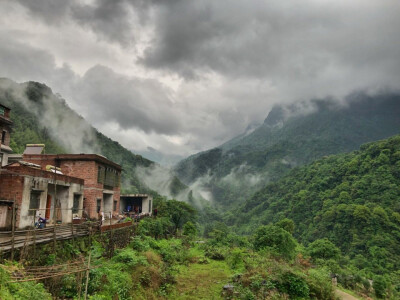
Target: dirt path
x=345, y=296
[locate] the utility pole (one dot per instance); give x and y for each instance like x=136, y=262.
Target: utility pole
x=13, y=228
x=87, y=272
x=55, y=209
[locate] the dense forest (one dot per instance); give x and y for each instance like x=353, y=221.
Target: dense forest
x=350, y=199
x=290, y=136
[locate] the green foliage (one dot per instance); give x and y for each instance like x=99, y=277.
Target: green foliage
x=324, y=249
x=22, y=290
x=294, y=285
x=178, y=212
x=129, y=258
x=236, y=258
x=157, y=228
x=216, y=252
x=171, y=250
x=319, y=283
x=286, y=224
x=276, y=239
x=265, y=278
x=349, y=199
x=380, y=285
x=189, y=230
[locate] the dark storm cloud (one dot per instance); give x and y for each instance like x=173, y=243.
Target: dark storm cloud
x=110, y=19
x=128, y=101
x=21, y=61
x=215, y=66
x=276, y=39
x=48, y=10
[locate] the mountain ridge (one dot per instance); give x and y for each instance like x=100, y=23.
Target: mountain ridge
x=291, y=136
x=40, y=116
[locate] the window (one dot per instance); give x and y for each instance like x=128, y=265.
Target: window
x=100, y=174
x=75, y=206
x=115, y=205
x=3, y=136
x=98, y=205
x=34, y=202
x=149, y=206
x=2, y=111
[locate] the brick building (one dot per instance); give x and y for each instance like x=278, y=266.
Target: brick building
x=34, y=191
x=102, y=178
x=5, y=129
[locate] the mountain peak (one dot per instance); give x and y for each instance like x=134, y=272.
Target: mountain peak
x=276, y=116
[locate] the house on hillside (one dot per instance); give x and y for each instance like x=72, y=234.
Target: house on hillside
x=34, y=191
x=141, y=204
x=5, y=129
x=101, y=177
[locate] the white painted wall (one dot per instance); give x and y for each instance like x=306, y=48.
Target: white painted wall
x=65, y=193
x=145, y=205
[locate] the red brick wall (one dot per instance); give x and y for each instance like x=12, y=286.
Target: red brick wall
x=24, y=170
x=41, y=160
x=12, y=187
x=85, y=169
x=90, y=201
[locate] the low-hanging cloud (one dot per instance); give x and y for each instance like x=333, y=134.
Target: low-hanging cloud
x=70, y=130
x=183, y=76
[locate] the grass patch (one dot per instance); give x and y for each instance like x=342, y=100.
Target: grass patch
x=201, y=281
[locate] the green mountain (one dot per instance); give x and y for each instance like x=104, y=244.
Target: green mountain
x=351, y=199
x=40, y=116
x=290, y=136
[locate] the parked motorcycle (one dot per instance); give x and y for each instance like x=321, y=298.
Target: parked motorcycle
x=41, y=223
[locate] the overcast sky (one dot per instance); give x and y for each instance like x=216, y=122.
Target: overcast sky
x=183, y=76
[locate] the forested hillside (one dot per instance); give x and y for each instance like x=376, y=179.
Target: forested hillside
x=351, y=199
x=290, y=136
x=39, y=116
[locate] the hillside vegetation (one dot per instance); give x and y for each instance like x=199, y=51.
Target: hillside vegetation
x=164, y=261
x=290, y=136
x=39, y=116
x=351, y=199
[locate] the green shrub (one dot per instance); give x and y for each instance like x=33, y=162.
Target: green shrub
x=294, y=285
x=141, y=243
x=21, y=290
x=319, y=283
x=215, y=252
x=236, y=258
x=189, y=229
x=380, y=285
x=276, y=239
x=129, y=258
x=324, y=249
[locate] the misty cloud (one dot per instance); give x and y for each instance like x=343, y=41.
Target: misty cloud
x=130, y=102
x=184, y=76
x=69, y=130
